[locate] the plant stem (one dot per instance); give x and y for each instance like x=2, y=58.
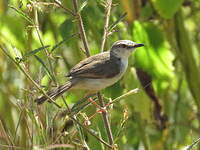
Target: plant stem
x=108, y=9
x=106, y=120
x=81, y=28
x=131, y=92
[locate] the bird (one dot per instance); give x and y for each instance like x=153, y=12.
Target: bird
x=96, y=72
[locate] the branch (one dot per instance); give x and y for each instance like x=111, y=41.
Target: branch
x=106, y=120
x=106, y=26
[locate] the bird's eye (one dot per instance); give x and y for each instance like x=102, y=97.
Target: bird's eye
x=123, y=45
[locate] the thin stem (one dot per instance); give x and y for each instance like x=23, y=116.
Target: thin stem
x=106, y=26
x=131, y=92
x=106, y=120
x=81, y=28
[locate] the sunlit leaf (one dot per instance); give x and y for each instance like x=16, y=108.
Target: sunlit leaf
x=158, y=58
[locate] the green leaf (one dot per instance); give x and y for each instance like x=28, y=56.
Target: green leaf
x=33, y=52
x=45, y=67
x=167, y=8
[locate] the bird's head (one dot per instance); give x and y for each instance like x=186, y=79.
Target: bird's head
x=123, y=48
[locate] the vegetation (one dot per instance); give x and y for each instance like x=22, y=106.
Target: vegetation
x=155, y=106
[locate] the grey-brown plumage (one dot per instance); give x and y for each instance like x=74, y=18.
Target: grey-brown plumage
x=97, y=72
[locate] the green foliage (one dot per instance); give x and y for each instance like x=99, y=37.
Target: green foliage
x=159, y=59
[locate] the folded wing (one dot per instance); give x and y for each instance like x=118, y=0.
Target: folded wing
x=99, y=66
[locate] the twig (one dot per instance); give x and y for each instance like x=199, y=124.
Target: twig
x=131, y=92
x=81, y=28
x=106, y=26
x=106, y=120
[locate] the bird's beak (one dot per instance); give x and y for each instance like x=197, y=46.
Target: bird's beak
x=138, y=45
x=135, y=46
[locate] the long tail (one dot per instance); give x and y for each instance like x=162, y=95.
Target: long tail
x=55, y=93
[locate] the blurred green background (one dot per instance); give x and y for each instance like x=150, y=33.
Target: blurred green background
x=163, y=115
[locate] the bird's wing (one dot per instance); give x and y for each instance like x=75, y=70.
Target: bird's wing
x=98, y=66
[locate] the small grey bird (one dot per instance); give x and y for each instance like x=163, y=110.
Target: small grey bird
x=97, y=72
